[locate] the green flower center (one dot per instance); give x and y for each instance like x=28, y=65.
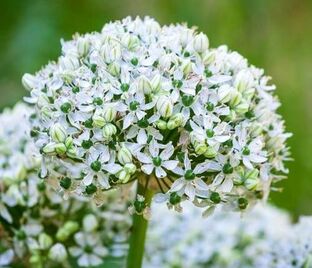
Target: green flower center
x=86, y=144
x=91, y=189
x=157, y=161
x=98, y=101
x=215, y=197
x=174, y=198
x=65, y=183
x=227, y=169
x=124, y=87
x=65, y=107
x=96, y=165
x=189, y=175
x=143, y=123
x=246, y=151
x=209, y=106
x=133, y=105
x=134, y=61
x=187, y=100
x=209, y=133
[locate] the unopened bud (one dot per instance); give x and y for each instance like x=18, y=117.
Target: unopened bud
x=83, y=46
x=58, y=253
x=201, y=42
x=28, y=81
x=69, y=63
x=109, y=114
x=161, y=124
x=164, y=106
x=109, y=130
x=58, y=133
x=244, y=80
x=175, y=121
x=225, y=93
x=114, y=69
x=210, y=152
x=90, y=223
x=124, y=156
x=45, y=241
x=144, y=85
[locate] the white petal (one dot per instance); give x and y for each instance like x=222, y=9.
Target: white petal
x=200, y=184
x=167, y=152
x=257, y=158
x=142, y=137
x=153, y=148
x=112, y=168
x=177, y=185
x=147, y=169
x=87, y=180
x=143, y=158
x=226, y=186
x=190, y=191
x=160, y=173
x=128, y=119
x=170, y=164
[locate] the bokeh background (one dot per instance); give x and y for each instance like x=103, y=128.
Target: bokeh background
x=275, y=35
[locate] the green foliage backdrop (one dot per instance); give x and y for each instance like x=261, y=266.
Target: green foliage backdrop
x=275, y=35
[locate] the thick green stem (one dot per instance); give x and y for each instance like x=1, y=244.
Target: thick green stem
x=138, y=232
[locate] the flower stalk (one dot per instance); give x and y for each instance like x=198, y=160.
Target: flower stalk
x=139, y=229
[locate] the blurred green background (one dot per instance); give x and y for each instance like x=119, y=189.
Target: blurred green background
x=273, y=34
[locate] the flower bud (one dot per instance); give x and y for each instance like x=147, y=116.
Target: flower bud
x=200, y=148
x=208, y=57
x=201, y=43
x=58, y=133
x=130, y=168
x=83, y=46
x=123, y=176
x=49, y=148
x=98, y=120
x=124, y=155
x=242, y=108
x=186, y=67
x=43, y=101
x=144, y=85
x=130, y=41
x=67, y=230
x=69, y=142
x=165, y=62
x=236, y=98
x=161, y=124
x=244, y=80
x=210, y=152
x=15, y=194
x=71, y=152
x=251, y=183
x=108, y=131
x=69, y=63
x=175, y=121
x=156, y=83
x=114, y=69
x=109, y=114
x=111, y=53
x=28, y=81
x=164, y=106
x=60, y=148
x=90, y=223
x=58, y=253
x=45, y=241
x=255, y=129
x=185, y=37
x=225, y=93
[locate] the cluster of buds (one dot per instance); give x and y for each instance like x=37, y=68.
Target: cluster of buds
x=37, y=226
x=138, y=98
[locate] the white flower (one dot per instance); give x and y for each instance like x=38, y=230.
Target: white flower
x=89, y=250
x=156, y=160
x=136, y=83
x=58, y=253
x=190, y=182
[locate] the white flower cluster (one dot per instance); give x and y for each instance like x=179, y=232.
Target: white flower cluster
x=138, y=100
x=294, y=250
x=37, y=227
x=223, y=240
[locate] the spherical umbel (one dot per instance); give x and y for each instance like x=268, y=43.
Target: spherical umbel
x=141, y=100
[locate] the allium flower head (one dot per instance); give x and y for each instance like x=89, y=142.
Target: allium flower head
x=138, y=100
x=38, y=228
